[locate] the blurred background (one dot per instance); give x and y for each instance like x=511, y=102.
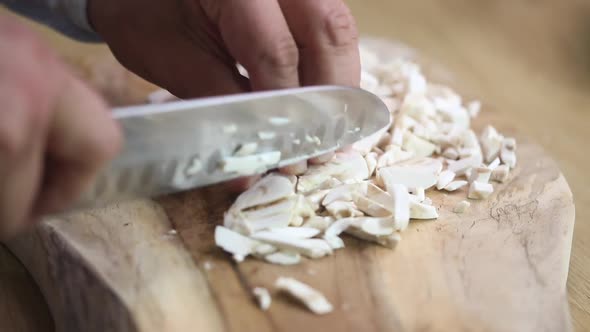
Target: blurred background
x=527, y=60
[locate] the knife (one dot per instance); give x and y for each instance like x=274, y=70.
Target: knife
x=187, y=144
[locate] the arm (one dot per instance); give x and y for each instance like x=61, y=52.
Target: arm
x=66, y=16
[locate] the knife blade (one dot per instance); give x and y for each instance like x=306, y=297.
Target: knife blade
x=188, y=144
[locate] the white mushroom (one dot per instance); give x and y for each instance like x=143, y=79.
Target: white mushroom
x=345, y=167
x=444, y=178
x=495, y=163
x=401, y=206
x=508, y=152
x=393, y=156
x=311, y=298
x=479, y=190
x=419, y=147
x=415, y=173
x=388, y=241
x=371, y=159
x=473, y=108
x=422, y=211
x=269, y=189
x=318, y=222
x=500, y=173
x=298, y=232
x=491, y=142
x=312, y=248
x=462, y=165
x=345, y=192
x=263, y=297
x=342, y=209
x=454, y=185
x=450, y=153
x=480, y=174
x=236, y=244
x=283, y=258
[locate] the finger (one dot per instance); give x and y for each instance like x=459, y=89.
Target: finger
x=82, y=137
x=327, y=37
x=258, y=37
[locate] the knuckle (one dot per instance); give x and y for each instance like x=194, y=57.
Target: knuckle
x=282, y=56
x=338, y=24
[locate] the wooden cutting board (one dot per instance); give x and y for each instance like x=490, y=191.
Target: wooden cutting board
x=501, y=266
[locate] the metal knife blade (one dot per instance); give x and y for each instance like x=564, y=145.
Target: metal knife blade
x=187, y=144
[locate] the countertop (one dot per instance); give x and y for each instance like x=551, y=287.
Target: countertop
x=528, y=60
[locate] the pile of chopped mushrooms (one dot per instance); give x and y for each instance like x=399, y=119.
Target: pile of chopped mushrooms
x=373, y=189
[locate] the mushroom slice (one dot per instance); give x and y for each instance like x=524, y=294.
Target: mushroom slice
x=495, y=163
x=312, y=248
x=342, y=209
x=263, y=297
x=491, y=142
x=345, y=192
x=318, y=222
x=461, y=207
x=375, y=206
x=454, y=185
x=315, y=199
x=298, y=232
x=269, y=189
x=462, y=165
x=419, y=147
x=480, y=174
x=450, y=153
x=500, y=173
x=479, y=190
x=290, y=211
x=283, y=258
x=371, y=159
x=388, y=241
x=331, y=235
x=421, y=173
x=508, y=152
x=422, y=211
x=311, y=298
x=393, y=156
x=252, y=164
x=375, y=226
x=346, y=167
x=401, y=205
x=473, y=108
x=444, y=178
x=264, y=249
x=235, y=243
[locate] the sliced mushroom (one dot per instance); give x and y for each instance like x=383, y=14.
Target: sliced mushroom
x=283, y=258
x=422, y=211
x=495, y=163
x=444, y=178
x=419, y=147
x=508, y=152
x=479, y=190
x=401, y=206
x=371, y=159
x=393, y=156
x=318, y=222
x=263, y=297
x=491, y=142
x=342, y=209
x=480, y=174
x=345, y=167
x=345, y=192
x=298, y=232
x=388, y=241
x=312, y=248
x=454, y=185
x=500, y=173
x=315, y=199
x=311, y=298
x=451, y=153
x=236, y=244
x=421, y=173
x=269, y=189
x=462, y=165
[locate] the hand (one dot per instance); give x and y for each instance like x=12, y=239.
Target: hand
x=191, y=47
x=54, y=132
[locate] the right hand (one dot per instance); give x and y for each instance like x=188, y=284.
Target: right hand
x=55, y=133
